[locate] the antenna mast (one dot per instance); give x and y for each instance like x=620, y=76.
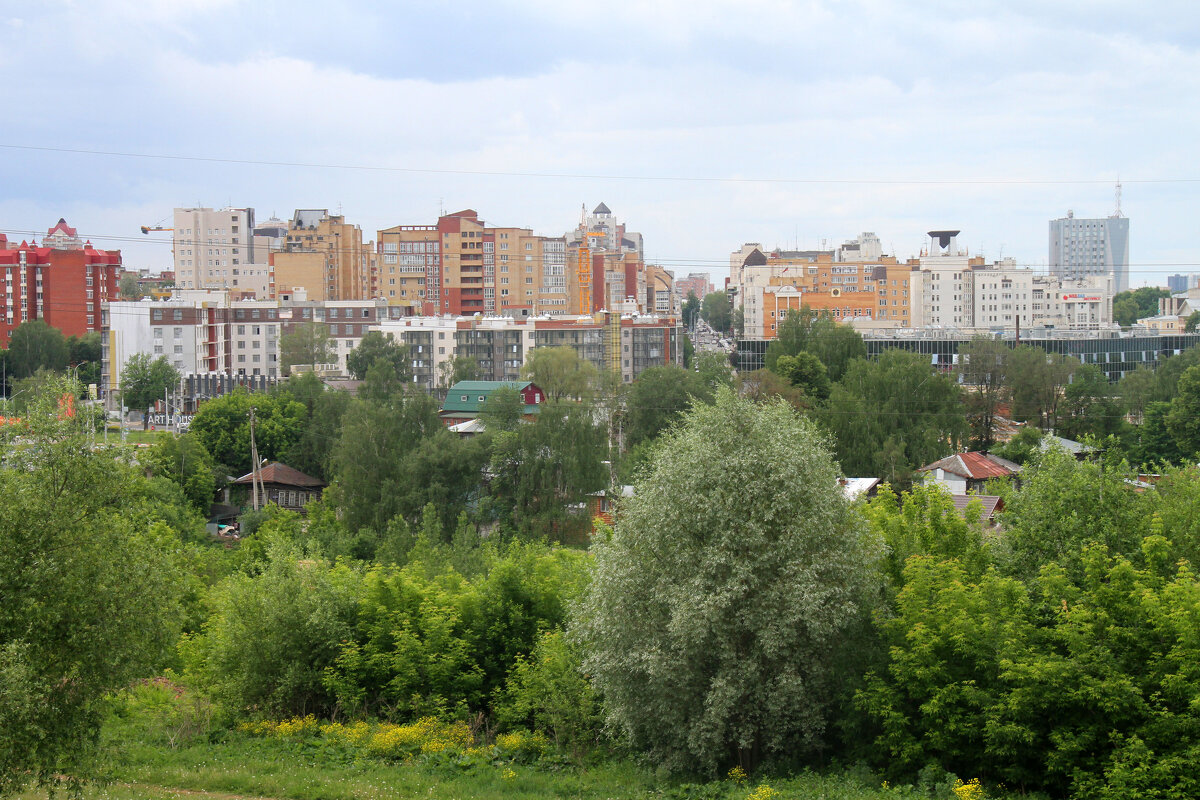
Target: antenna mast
x=1118, y=198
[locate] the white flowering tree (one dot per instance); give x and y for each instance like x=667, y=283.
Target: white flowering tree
x=732, y=579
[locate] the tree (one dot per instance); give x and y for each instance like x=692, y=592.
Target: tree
x=763, y=385
x=1091, y=406
x=130, y=288
x=373, y=347
x=806, y=372
x=91, y=595
x=457, y=369
x=894, y=414
x=659, y=397
x=308, y=344
x=503, y=409
x=322, y=425
x=835, y=344
x=716, y=311
x=1130, y=306
x=543, y=472
x=714, y=370
x=184, y=461
x=1192, y=322
x=982, y=365
x=35, y=345
x=1138, y=388
x=691, y=310
x=1036, y=381
x=84, y=352
x=719, y=603
x=1183, y=420
x=560, y=372
x=145, y=379
x=222, y=425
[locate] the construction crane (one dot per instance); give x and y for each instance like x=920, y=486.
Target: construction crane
x=584, y=273
x=148, y=228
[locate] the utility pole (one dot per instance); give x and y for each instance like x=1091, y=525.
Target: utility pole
x=254, y=462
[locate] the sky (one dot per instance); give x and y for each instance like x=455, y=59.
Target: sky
x=702, y=124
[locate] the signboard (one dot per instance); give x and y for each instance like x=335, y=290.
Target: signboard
x=179, y=421
x=1082, y=298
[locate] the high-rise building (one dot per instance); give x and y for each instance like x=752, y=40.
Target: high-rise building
x=1083, y=247
x=325, y=257
x=212, y=246
x=463, y=266
x=62, y=282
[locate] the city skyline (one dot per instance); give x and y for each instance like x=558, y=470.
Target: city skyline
x=691, y=120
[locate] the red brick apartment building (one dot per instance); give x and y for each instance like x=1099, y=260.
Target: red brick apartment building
x=62, y=282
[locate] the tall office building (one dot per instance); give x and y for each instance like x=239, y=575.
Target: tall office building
x=1080, y=248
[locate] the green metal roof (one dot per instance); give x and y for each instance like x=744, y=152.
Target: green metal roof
x=467, y=397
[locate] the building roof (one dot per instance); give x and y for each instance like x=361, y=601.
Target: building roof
x=467, y=427
x=601, y=209
x=858, y=487
x=974, y=466
x=1070, y=445
x=283, y=475
x=991, y=503
x=466, y=398
x=64, y=227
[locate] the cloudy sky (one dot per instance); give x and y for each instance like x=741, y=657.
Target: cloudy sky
x=703, y=124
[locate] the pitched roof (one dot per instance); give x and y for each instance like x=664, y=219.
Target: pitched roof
x=602, y=209
x=283, y=475
x=62, y=225
x=466, y=398
x=975, y=466
x=990, y=502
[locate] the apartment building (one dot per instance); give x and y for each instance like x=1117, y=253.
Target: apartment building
x=324, y=258
x=63, y=282
x=213, y=332
x=218, y=249
x=462, y=266
x=697, y=283
x=620, y=344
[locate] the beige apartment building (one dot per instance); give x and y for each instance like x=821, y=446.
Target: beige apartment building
x=217, y=249
x=325, y=258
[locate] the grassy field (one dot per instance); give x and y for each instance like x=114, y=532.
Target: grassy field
x=243, y=767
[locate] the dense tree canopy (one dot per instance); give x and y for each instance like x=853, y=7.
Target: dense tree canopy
x=834, y=343
x=983, y=367
x=716, y=310
x=145, y=379
x=737, y=571
x=1130, y=306
x=894, y=414
x=222, y=426
x=91, y=594
x=659, y=397
x=35, y=345
x=373, y=347
x=560, y=372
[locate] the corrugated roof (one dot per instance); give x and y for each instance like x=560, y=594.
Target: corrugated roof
x=990, y=502
x=467, y=397
x=976, y=466
x=282, y=474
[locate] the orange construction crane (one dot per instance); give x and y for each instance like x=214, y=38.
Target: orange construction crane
x=584, y=273
x=148, y=228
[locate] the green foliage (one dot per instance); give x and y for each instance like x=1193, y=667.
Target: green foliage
x=1183, y=420
x=716, y=311
x=691, y=310
x=835, y=344
x=145, y=379
x=34, y=345
x=84, y=354
x=1064, y=505
x=718, y=603
x=805, y=372
x=1036, y=382
x=308, y=344
x=91, y=595
x=459, y=368
x=1192, y=322
x=763, y=385
x=271, y=636
x=503, y=409
x=222, y=426
x=714, y=371
x=312, y=450
x=1153, y=443
x=1130, y=306
x=1091, y=406
x=547, y=692
x=983, y=368
x=659, y=397
x=543, y=469
x=560, y=372
x=1022, y=448
x=1137, y=389
x=375, y=346
x=183, y=460
x=130, y=288
x=894, y=414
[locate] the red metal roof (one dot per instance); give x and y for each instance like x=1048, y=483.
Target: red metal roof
x=976, y=466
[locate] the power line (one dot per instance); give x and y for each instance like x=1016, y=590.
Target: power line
x=597, y=176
